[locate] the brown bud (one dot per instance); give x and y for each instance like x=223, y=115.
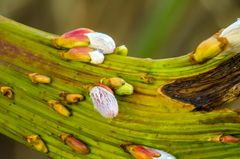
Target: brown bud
x=37, y=143
x=229, y=139
x=59, y=108
x=71, y=97
x=77, y=145
x=7, y=91
x=37, y=78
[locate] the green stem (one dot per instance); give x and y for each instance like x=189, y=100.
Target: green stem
x=147, y=117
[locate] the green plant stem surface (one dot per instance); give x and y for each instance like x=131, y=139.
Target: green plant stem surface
x=147, y=117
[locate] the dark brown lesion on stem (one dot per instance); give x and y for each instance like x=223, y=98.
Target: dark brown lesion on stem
x=208, y=90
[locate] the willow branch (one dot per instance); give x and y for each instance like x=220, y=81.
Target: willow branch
x=159, y=114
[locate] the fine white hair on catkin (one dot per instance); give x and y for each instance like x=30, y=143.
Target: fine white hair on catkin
x=102, y=42
x=104, y=102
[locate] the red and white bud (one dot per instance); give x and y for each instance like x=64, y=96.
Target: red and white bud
x=86, y=37
x=84, y=54
x=104, y=101
x=100, y=41
x=143, y=152
x=74, y=38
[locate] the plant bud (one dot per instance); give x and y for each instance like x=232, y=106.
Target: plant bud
x=116, y=82
x=59, y=108
x=125, y=89
x=86, y=37
x=227, y=40
x=121, y=50
x=113, y=82
x=143, y=152
x=37, y=143
x=37, y=78
x=83, y=54
x=104, y=86
x=71, y=97
x=100, y=41
x=74, y=143
x=7, y=91
x=77, y=54
x=229, y=139
x=231, y=33
x=74, y=38
x=104, y=101
x=120, y=86
x=209, y=48
x=96, y=57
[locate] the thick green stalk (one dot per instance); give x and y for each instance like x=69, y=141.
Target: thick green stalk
x=148, y=117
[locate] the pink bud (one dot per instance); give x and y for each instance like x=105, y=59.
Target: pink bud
x=229, y=139
x=74, y=38
x=77, y=54
x=143, y=152
x=77, y=145
x=86, y=37
x=104, y=101
x=84, y=54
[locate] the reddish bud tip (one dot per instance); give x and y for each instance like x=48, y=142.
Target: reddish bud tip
x=141, y=152
x=74, y=38
x=105, y=87
x=77, y=54
x=229, y=139
x=77, y=145
x=83, y=54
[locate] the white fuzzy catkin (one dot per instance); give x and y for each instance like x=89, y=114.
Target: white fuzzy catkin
x=232, y=34
x=164, y=155
x=96, y=57
x=101, y=41
x=104, y=102
x=233, y=26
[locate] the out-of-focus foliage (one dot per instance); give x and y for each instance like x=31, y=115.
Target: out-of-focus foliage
x=150, y=28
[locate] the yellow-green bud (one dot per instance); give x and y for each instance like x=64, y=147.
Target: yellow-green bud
x=119, y=85
x=209, y=48
x=37, y=142
x=121, y=50
x=125, y=89
x=59, y=108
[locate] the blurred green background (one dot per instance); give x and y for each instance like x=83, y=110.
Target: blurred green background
x=149, y=28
